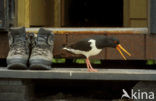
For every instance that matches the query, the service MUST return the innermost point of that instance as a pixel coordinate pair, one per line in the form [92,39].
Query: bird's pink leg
[90,66]
[94,70]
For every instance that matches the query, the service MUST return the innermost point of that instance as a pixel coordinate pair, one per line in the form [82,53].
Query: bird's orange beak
[119,48]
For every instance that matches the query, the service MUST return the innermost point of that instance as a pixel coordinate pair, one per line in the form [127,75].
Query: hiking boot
[19,49]
[41,55]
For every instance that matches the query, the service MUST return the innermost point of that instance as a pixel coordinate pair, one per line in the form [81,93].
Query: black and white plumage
[93,46]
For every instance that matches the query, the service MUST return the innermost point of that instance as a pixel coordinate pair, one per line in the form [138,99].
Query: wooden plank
[57,13]
[59,41]
[126,13]
[136,13]
[151,47]
[23,13]
[64,14]
[42,12]
[65,5]
[50,13]
[81,74]
[27,13]
[72,38]
[4,45]
[134,44]
[152,16]
[138,8]
[38,12]
[138,22]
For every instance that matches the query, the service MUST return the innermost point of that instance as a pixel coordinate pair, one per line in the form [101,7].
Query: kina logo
[138,94]
[125,94]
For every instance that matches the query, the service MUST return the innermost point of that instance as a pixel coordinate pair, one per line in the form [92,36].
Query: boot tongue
[42,37]
[19,34]
[19,37]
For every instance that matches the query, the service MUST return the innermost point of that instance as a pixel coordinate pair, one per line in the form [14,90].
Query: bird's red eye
[115,42]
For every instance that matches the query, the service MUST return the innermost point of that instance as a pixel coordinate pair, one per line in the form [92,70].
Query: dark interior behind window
[92,13]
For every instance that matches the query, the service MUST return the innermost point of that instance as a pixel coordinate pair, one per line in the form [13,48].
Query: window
[91,13]
[83,13]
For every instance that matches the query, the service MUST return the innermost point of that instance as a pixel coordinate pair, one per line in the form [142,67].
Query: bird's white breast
[94,50]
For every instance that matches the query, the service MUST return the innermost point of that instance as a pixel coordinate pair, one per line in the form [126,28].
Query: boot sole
[17,66]
[40,64]
[39,67]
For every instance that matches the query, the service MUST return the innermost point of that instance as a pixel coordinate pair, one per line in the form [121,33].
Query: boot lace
[40,46]
[41,50]
[19,46]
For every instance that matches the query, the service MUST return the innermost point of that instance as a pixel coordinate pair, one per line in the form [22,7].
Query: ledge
[93,30]
[81,74]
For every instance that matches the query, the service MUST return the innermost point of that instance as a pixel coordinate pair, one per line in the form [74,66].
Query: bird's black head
[112,42]
[115,43]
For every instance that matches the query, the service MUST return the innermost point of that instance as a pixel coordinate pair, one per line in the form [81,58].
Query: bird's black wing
[101,41]
[82,45]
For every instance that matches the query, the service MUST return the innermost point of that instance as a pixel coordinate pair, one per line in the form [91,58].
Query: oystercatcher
[93,46]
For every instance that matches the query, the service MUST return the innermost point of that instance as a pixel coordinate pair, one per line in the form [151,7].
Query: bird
[93,46]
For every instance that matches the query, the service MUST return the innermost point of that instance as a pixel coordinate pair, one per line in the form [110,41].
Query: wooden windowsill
[95,31]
